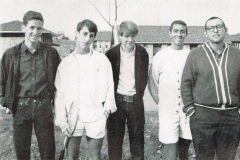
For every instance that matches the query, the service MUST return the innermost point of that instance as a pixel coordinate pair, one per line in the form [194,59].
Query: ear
[226,29]
[170,33]
[23,27]
[205,34]
[76,33]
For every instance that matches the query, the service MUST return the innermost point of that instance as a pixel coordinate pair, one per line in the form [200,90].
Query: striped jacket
[209,84]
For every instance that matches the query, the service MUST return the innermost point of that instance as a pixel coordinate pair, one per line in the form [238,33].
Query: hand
[67,132]
[8,111]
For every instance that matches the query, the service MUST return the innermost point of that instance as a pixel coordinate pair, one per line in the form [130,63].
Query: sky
[63,15]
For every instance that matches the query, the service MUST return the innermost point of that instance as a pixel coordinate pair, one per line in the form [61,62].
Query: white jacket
[90,87]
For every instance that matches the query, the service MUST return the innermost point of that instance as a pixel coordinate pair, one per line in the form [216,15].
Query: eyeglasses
[212,28]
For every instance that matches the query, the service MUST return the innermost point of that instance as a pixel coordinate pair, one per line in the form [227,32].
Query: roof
[16,27]
[104,36]
[235,37]
[160,34]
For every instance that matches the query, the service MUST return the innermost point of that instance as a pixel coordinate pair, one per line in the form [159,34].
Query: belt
[126,98]
[23,102]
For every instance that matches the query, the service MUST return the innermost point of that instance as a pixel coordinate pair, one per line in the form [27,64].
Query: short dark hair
[212,18]
[128,27]
[32,15]
[178,22]
[92,27]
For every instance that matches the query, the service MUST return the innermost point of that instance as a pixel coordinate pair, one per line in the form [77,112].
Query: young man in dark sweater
[210,91]
[130,73]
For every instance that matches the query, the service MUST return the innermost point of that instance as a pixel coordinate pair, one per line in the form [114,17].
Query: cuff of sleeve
[185,109]
[2,100]
[63,128]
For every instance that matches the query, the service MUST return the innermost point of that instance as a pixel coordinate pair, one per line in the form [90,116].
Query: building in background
[11,34]
[102,41]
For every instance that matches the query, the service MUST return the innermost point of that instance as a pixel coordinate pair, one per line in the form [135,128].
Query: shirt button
[179,104]
[179,97]
[33,79]
[32,68]
[178,80]
[178,88]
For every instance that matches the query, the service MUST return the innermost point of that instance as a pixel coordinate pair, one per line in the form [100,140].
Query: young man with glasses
[164,86]
[210,91]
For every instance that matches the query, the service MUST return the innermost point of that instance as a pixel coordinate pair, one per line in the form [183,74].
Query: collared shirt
[126,84]
[33,78]
[218,56]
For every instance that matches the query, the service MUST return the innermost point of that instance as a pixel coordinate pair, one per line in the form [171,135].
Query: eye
[183,32]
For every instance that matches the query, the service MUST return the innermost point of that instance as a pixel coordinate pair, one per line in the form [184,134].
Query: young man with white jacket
[84,80]
[164,86]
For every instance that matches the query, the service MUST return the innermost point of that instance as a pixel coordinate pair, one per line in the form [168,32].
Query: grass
[152,145]
[7,150]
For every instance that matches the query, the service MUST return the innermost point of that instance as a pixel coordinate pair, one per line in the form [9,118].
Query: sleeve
[154,80]
[144,73]
[3,77]
[60,118]
[188,82]
[110,104]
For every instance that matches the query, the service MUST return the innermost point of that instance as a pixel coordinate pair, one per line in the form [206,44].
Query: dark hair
[128,27]
[32,15]
[92,27]
[178,22]
[212,18]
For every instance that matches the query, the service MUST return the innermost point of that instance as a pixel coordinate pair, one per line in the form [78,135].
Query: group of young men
[197,93]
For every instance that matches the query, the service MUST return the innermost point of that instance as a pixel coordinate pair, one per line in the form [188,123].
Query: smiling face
[178,34]
[127,42]
[33,31]
[215,31]
[84,38]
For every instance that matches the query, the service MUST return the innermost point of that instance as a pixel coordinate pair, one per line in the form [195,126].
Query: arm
[110,104]
[3,77]
[187,84]
[154,80]
[60,118]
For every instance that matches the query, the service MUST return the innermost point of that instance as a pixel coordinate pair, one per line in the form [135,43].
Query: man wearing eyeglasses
[210,90]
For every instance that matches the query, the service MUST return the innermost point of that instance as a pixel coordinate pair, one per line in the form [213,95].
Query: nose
[87,38]
[35,31]
[130,38]
[179,33]
[215,29]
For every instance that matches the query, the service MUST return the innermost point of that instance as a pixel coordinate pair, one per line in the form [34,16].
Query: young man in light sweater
[84,80]
[211,90]
[164,86]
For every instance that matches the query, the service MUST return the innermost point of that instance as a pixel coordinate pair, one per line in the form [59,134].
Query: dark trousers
[130,113]
[40,116]
[215,131]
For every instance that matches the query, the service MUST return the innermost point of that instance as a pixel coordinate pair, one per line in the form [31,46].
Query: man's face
[85,38]
[127,42]
[178,34]
[215,31]
[33,30]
